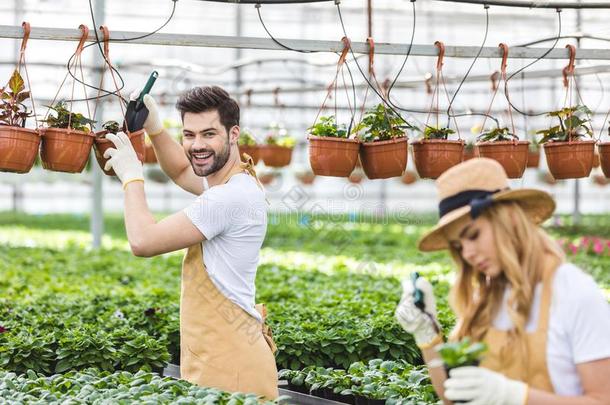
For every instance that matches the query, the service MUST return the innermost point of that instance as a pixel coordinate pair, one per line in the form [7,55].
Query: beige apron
[221,345]
[533,369]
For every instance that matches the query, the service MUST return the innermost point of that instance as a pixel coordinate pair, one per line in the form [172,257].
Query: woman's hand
[481,386]
[411,318]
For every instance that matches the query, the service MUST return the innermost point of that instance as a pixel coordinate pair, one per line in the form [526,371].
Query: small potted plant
[505,147]
[533,158]
[568,155]
[247,144]
[67,140]
[18,145]
[435,153]
[409,177]
[470,151]
[332,151]
[277,151]
[461,354]
[306,177]
[102,144]
[384,148]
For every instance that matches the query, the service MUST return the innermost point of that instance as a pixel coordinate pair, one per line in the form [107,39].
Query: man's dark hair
[209,98]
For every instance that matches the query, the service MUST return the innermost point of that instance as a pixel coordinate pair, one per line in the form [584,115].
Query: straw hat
[472,186]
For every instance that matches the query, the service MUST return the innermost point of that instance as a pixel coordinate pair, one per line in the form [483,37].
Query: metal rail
[537,4]
[216,41]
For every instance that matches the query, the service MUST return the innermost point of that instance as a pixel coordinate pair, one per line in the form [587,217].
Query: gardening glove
[412,319]
[481,386]
[153,124]
[123,160]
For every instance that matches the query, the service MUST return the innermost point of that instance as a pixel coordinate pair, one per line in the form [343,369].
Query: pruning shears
[418,300]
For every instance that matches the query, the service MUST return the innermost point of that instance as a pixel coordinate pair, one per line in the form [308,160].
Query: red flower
[3,329]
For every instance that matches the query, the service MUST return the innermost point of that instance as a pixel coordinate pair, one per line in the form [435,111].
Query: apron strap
[247,164]
[545,301]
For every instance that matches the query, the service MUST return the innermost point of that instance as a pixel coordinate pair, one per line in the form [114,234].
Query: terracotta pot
[604,157]
[470,153]
[102,144]
[384,159]
[266,178]
[275,156]
[65,150]
[533,158]
[432,157]
[149,153]
[596,160]
[253,151]
[306,178]
[409,177]
[547,178]
[18,148]
[355,178]
[600,180]
[569,160]
[511,155]
[331,156]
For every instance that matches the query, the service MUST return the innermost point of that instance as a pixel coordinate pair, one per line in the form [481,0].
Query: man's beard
[218,160]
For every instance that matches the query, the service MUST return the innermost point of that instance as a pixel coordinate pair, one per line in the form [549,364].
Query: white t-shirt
[233,219]
[579,326]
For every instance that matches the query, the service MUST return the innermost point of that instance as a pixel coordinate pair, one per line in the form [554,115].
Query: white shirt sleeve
[208,213]
[587,318]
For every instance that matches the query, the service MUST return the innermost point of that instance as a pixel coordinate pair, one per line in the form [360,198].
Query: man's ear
[234,134]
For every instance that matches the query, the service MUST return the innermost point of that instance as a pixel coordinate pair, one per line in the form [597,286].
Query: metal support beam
[537,3]
[215,41]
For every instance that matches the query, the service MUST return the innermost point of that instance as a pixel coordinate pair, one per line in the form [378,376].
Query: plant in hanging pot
[435,153]
[568,154]
[384,147]
[470,151]
[277,151]
[505,147]
[102,144]
[67,140]
[332,151]
[247,144]
[533,158]
[18,145]
[603,149]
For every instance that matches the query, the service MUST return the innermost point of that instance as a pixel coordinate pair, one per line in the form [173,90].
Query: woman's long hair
[523,250]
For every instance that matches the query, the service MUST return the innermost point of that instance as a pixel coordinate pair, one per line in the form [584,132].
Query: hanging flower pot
[67,142]
[247,144]
[331,151]
[604,157]
[306,177]
[533,158]
[434,154]
[277,151]
[505,147]
[596,160]
[266,178]
[470,151]
[102,144]
[567,156]
[600,180]
[355,178]
[18,145]
[384,148]
[409,177]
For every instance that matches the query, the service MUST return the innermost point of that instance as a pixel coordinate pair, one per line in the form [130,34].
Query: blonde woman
[546,322]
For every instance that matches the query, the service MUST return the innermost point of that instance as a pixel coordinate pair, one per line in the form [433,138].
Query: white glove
[411,318]
[481,386]
[123,160]
[153,124]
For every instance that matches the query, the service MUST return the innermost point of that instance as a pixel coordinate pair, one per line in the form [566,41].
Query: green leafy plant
[573,125]
[246,138]
[327,126]
[381,124]
[437,133]
[285,141]
[12,110]
[65,118]
[112,127]
[462,353]
[497,135]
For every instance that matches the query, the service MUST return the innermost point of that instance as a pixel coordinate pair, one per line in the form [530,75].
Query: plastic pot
[65,149]
[533,158]
[18,148]
[512,155]
[102,144]
[433,157]
[569,160]
[330,156]
[149,154]
[275,156]
[252,150]
[384,159]
[604,157]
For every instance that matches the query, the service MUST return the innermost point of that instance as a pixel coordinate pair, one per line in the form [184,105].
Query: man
[222,339]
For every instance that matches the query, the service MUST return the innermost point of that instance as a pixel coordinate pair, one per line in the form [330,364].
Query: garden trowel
[136,109]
